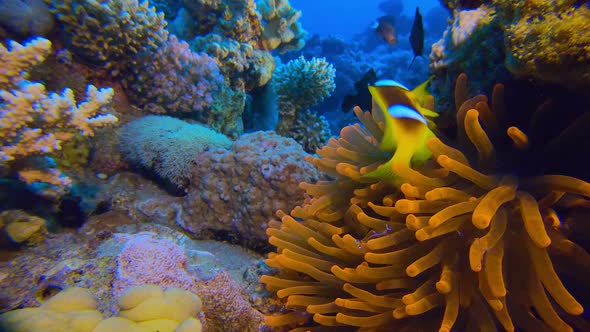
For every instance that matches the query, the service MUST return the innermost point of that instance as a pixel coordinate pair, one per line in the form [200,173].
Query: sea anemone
[462,243]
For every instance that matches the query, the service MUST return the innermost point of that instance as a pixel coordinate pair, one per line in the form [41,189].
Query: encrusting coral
[111,32]
[547,40]
[35,123]
[462,244]
[281,29]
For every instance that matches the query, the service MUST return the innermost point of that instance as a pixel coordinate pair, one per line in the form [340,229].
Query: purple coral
[175,80]
[146,260]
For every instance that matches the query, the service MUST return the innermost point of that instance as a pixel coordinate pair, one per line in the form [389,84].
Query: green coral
[168,145]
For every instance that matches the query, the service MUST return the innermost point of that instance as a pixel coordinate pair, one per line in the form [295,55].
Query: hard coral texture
[300,84]
[226,306]
[236,192]
[243,65]
[111,33]
[233,19]
[175,80]
[35,123]
[281,28]
[168,146]
[548,40]
[461,245]
[145,259]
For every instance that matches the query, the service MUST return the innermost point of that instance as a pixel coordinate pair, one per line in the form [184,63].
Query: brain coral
[462,245]
[234,193]
[111,32]
[168,145]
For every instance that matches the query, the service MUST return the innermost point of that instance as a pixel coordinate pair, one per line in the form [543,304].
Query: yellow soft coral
[144,308]
[459,245]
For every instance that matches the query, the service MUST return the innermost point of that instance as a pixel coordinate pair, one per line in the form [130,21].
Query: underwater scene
[294,165]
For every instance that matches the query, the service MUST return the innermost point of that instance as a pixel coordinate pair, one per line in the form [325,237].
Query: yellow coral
[144,308]
[33,122]
[548,39]
[458,237]
[282,29]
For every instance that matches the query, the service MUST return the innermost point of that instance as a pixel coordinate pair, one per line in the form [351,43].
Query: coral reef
[168,146]
[281,29]
[177,81]
[148,260]
[143,308]
[244,66]
[463,244]
[300,84]
[90,257]
[311,130]
[35,123]
[111,33]
[234,19]
[234,193]
[548,41]
[227,306]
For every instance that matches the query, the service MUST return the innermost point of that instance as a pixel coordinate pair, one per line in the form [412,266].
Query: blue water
[345,18]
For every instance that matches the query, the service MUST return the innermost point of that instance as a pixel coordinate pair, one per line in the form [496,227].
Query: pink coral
[147,260]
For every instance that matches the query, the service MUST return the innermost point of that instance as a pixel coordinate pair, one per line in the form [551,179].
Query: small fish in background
[417,36]
[385,27]
[362,98]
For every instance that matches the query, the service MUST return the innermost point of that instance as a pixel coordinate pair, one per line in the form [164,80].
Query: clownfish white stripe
[403,111]
[390,83]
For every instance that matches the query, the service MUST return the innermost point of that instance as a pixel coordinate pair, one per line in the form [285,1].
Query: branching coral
[459,245]
[111,32]
[35,123]
[300,84]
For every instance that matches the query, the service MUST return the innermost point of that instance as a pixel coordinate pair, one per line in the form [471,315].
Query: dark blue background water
[345,18]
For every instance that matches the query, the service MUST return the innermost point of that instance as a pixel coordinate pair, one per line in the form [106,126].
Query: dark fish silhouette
[386,29]
[362,98]
[417,36]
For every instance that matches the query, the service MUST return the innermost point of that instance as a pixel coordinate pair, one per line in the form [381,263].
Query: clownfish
[406,124]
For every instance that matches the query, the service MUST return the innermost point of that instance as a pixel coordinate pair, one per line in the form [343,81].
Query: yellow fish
[406,127]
